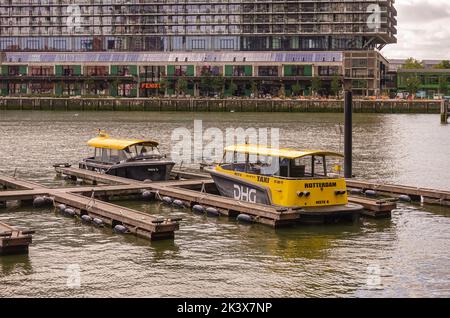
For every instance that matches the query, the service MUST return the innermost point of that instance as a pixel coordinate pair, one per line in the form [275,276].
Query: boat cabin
[112,150]
[280,162]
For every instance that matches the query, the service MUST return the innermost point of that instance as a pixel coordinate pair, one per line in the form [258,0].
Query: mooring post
[444,112]
[348,125]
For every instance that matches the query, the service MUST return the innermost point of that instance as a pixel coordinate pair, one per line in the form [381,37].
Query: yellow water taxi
[128,158]
[283,177]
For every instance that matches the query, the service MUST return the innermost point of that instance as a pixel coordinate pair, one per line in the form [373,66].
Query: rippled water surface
[220,257]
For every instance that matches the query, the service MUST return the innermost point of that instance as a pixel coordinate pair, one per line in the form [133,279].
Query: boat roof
[105,141]
[289,153]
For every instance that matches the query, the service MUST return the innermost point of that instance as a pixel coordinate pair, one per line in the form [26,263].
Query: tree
[412,85]
[89,84]
[445,64]
[217,84]
[232,88]
[205,84]
[254,88]
[336,85]
[282,91]
[316,85]
[181,86]
[296,89]
[412,63]
[442,85]
[163,84]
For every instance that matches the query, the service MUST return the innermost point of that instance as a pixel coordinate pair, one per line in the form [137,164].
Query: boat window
[116,155]
[266,165]
[320,166]
[314,166]
[301,167]
[284,167]
[105,155]
[141,151]
[334,166]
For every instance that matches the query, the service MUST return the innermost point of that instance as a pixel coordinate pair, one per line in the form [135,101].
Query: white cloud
[423,30]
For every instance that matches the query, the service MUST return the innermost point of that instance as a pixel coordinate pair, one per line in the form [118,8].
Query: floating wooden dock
[190,187]
[183,190]
[425,195]
[14,241]
[189,191]
[139,223]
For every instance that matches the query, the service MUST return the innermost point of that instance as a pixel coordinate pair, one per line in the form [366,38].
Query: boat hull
[242,190]
[238,189]
[154,171]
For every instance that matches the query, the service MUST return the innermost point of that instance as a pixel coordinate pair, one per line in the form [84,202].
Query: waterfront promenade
[217,105]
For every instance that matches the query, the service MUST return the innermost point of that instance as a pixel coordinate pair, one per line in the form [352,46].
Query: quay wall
[216,105]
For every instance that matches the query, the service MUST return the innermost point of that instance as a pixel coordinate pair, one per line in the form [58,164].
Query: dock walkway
[139,223]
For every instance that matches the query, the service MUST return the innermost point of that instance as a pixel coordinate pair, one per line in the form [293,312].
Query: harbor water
[406,256]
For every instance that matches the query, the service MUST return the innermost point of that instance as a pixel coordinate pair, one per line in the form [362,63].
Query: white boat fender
[38,202]
[167,200]
[404,198]
[212,211]
[148,195]
[370,193]
[86,218]
[121,229]
[61,207]
[244,218]
[198,208]
[69,212]
[178,203]
[98,222]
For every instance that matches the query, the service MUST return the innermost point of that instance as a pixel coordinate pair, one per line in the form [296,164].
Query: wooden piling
[14,241]
[444,112]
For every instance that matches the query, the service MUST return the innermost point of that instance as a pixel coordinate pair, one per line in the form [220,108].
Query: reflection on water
[218,256]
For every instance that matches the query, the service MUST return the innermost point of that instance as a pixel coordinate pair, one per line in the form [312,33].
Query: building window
[180,70]
[86,45]
[328,70]
[59,45]
[198,44]
[227,44]
[268,71]
[276,43]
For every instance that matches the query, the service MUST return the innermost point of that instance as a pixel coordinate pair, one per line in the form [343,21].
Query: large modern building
[135,47]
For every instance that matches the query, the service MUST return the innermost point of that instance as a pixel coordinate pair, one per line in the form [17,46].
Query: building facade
[251,31]
[431,82]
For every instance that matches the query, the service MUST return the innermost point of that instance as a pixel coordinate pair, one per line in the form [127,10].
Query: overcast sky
[423,30]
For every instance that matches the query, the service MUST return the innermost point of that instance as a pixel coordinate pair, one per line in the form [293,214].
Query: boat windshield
[312,166]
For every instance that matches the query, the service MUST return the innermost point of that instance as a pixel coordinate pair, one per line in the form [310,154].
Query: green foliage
[443,85]
[181,86]
[254,88]
[164,84]
[412,63]
[232,88]
[445,64]
[282,91]
[336,85]
[316,85]
[296,89]
[217,84]
[412,84]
